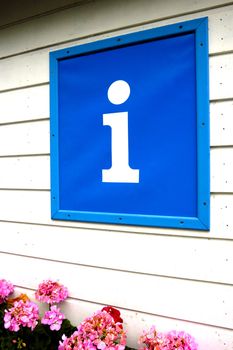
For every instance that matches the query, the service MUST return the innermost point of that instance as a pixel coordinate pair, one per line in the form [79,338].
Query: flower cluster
[53,318]
[180,341]
[51,292]
[99,331]
[152,340]
[173,340]
[6,288]
[24,314]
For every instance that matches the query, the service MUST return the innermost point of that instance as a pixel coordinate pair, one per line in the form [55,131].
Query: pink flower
[99,331]
[53,318]
[6,288]
[23,314]
[51,292]
[152,340]
[180,341]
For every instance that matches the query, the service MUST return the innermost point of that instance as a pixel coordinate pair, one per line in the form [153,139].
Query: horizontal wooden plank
[161,296]
[220,30]
[221,123]
[106,17]
[221,77]
[34,207]
[24,104]
[25,138]
[27,8]
[222,170]
[25,172]
[207,337]
[24,70]
[159,255]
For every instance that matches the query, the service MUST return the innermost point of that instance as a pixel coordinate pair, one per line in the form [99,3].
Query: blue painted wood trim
[203,133]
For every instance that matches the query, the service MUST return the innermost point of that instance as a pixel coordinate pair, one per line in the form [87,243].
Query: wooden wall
[175,279]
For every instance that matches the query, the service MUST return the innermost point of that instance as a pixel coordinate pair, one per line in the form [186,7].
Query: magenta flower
[25,314]
[53,318]
[51,292]
[6,288]
[97,332]
[180,341]
[152,340]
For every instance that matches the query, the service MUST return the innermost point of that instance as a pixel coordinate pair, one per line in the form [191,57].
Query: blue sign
[130,129]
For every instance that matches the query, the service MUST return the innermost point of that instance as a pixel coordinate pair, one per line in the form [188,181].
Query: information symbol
[120,171]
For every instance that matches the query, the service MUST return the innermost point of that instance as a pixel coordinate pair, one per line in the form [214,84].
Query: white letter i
[120,171]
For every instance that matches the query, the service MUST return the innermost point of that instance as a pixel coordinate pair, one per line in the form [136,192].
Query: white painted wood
[221,123]
[222,170]
[25,138]
[220,30]
[28,8]
[25,172]
[34,207]
[165,255]
[221,77]
[156,295]
[25,104]
[24,70]
[135,322]
[43,31]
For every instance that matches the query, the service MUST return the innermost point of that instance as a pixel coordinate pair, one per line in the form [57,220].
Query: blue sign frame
[174,187]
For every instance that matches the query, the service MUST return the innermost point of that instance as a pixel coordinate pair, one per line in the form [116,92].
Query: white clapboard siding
[34,207]
[221,77]
[24,70]
[73,23]
[222,170]
[25,172]
[169,297]
[165,255]
[24,104]
[24,138]
[221,123]
[220,30]
[207,337]
[34,172]
[27,8]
